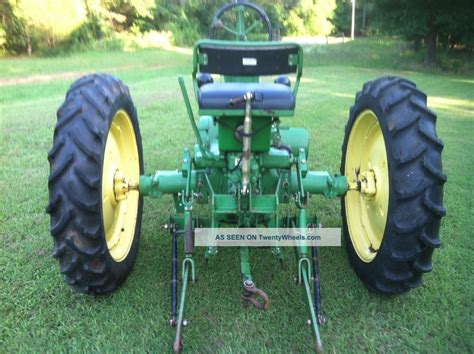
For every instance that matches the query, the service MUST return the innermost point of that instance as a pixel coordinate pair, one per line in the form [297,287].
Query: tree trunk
[448,43]
[430,51]
[364,17]
[417,44]
[29,48]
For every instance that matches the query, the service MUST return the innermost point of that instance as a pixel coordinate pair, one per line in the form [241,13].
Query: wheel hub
[122,186]
[365,184]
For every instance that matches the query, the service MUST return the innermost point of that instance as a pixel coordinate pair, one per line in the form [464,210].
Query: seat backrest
[247,61]
[247,58]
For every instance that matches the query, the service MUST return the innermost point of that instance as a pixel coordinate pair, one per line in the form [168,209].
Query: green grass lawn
[39,312]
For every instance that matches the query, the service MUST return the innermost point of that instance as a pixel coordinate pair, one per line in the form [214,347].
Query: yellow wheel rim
[120,174]
[366,202]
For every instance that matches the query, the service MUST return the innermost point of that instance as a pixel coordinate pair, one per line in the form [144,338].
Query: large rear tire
[95,161]
[392,158]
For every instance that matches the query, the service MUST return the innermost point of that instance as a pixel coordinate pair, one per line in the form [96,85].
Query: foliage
[3,36]
[76,23]
[342,17]
[310,17]
[47,22]
[92,29]
[432,23]
[123,14]
[14,29]
[435,22]
[50,26]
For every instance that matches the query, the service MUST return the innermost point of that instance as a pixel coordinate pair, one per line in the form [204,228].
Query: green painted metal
[164,182]
[304,274]
[191,116]
[315,182]
[211,174]
[263,204]
[245,263]
[241,112]
[309,301]
[295,138]
[303,225]
[188,262]
[260,141]
[228,78]
[240,24]
[276,158]
[320,182]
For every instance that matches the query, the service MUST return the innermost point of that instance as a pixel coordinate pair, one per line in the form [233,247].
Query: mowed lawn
[39,312]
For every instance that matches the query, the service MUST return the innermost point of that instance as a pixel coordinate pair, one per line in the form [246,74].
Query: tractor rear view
[246,168]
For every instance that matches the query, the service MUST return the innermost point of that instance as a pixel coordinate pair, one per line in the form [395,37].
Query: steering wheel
[239,19]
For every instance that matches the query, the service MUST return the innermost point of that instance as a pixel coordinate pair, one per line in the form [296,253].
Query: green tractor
[244,167]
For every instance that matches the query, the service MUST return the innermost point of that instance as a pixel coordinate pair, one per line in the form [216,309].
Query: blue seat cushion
[268,96]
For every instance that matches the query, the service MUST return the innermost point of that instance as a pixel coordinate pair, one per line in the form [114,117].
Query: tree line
[42,26]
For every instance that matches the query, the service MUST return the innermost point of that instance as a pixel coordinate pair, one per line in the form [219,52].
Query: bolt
[303,161]
[308,322]
[185,323]
[248,283]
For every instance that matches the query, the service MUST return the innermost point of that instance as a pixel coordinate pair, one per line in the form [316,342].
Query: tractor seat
[268,96]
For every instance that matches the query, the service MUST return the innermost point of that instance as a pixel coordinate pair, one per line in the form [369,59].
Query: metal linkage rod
[188,262]
[316,285]
[314,323]
[174,276]
[245,263]
[304,273]
[178,341]
[247,142]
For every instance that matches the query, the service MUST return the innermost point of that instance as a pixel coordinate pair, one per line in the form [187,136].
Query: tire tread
[413,149]
[74,183]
